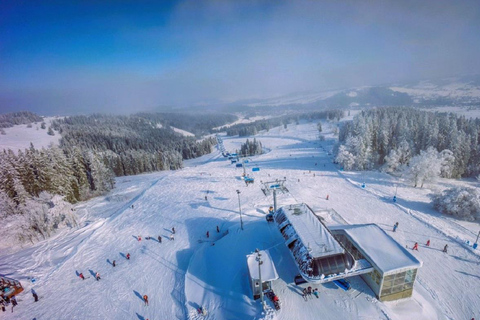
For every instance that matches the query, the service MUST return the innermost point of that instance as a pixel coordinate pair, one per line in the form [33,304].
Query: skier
[145,299]
[208,234]
[309,291]
[304,294]
[445,248]
[415,246]
[218,229]
[172,237]
[160,239]
[128,256]
[173,230]
[81,276]
[35,296]
[97,276]
[395,226]
[13,300]
[315,292]
[113,263]
[428,243]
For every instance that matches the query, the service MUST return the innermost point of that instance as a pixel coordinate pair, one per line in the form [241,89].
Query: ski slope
[191,271]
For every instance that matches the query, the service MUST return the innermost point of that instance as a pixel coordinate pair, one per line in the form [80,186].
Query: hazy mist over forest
[83,57]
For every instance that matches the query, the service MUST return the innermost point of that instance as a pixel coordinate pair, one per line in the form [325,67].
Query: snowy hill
[192,270]
[454,91]
[20,136]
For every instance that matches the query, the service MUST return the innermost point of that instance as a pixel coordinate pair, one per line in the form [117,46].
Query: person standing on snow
[309,291]
[35,296]
[173,230]
[208,234]
[415,246]
[172,237]
[14,302]
[218,229]
[113,263]
[139,238]
[160,239]
[428,243]
[445,248]
[395,226]
[304,294]
[315,292]
[128,256]
[97,276]
[81,276]
[145,299]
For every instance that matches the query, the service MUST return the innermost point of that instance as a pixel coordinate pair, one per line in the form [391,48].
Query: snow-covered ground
[242,119]
[20,136]
[191,271]
[183,132]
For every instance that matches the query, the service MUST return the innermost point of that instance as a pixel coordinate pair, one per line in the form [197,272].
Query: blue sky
[128,56]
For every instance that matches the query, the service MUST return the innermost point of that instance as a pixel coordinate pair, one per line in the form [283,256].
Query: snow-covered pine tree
[461,202]
[425,167]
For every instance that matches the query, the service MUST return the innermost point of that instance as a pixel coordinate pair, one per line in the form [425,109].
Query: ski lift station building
[268,272]
[325,254]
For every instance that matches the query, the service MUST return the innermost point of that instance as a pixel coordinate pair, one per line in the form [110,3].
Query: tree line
[252,128]
[197,123]
[36,185]
[420,143]
[251,148]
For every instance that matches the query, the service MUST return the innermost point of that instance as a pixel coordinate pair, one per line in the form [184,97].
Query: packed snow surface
[194,270]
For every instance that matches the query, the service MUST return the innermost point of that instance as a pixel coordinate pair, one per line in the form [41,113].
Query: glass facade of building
[386,287]
[398,282]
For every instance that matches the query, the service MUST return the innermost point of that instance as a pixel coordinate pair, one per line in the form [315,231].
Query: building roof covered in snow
[269,272]
[311,231]
[379,248]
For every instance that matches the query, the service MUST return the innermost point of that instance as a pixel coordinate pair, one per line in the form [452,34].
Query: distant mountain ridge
[457,91]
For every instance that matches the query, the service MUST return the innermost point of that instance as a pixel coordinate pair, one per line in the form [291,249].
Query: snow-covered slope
[191,271]
[20,136]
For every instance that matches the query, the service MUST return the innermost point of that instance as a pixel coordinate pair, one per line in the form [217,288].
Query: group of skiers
[114,263]
[5,301]
[415,246]
[159,238]
[208,232]
[307,292]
